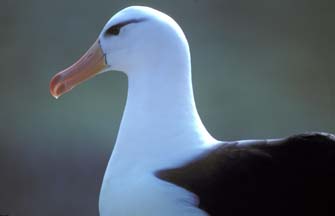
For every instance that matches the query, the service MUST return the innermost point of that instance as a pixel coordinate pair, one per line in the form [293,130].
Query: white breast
[136,194]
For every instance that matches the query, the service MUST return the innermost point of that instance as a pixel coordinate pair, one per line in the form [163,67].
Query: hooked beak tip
[57,86]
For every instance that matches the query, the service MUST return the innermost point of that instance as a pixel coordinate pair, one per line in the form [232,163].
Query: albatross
[165,163]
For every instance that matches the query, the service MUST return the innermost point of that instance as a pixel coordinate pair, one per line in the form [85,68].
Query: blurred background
[261,69]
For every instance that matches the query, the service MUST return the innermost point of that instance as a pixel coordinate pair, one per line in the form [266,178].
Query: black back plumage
[291,176]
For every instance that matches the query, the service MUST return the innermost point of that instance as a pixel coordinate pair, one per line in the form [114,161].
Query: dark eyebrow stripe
[124,23]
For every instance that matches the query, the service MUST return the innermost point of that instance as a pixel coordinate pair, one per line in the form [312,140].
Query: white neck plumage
[160,121]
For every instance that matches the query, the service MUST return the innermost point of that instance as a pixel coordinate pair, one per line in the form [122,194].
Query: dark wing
[291,176]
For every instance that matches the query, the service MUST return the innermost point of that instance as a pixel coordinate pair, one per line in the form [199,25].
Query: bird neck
[160,120]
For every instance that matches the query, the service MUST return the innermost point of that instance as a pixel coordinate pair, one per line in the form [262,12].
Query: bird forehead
[136,13]
[127,14]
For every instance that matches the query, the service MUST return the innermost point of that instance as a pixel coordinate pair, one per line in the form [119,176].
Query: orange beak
[90,64]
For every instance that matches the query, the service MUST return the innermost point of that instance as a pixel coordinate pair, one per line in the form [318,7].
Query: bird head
[131,40]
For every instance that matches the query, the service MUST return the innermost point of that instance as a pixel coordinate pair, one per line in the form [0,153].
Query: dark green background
[261,69]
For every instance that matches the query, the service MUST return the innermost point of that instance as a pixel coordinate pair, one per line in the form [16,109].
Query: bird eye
[114,30]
